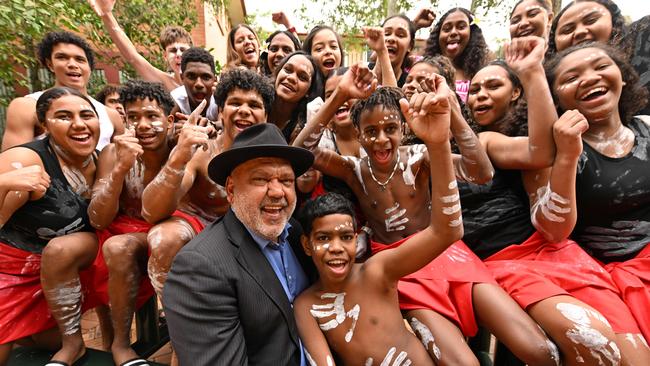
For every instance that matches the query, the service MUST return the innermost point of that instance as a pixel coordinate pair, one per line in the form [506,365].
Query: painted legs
[165,240]
[62,259]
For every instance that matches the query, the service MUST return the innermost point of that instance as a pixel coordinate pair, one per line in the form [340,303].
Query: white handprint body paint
[400,360]
[134,180]
[414,154]
[76,179]
[550,204]
[585,335]
[425,336]
[357,170]
[397,218]
[68,312]
[336,309]
[48,234]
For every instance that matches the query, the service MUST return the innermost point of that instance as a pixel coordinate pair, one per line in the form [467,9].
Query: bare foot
[69,353]
[123,354]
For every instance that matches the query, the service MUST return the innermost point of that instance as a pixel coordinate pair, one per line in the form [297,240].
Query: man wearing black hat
[229,294]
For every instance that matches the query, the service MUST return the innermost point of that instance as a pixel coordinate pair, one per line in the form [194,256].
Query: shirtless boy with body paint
[356,305]
[243,97]
[125,167]
[455,291]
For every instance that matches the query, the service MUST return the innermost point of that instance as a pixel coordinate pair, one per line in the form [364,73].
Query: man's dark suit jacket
[224,304]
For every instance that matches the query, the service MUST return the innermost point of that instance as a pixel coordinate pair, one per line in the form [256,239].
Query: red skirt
[632,278]
[444,285]
[537,269]
[124,225]
[23,308]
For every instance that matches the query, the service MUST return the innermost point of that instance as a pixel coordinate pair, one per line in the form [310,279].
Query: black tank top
[613,199]
[59,212]
[496,214]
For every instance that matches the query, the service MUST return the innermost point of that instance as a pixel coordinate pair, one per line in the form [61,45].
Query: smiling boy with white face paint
[353,307]
[125,167]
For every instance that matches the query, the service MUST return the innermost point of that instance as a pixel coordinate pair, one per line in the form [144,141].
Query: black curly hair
[140,90]
[637,29]
[327,204]
[106,91]
[633,96]
[244,79]
[618,24]
[197,54]
[543,3]
[476,51]
[45,100]
[264,56]
[51,39]
[385,97]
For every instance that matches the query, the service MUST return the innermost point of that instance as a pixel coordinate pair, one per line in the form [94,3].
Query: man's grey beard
[250,218]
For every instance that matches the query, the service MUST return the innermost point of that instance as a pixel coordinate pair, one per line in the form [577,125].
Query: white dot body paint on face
[593,55]
[490,78]
[157,126]
[425,336]
[584,334]
[17,165]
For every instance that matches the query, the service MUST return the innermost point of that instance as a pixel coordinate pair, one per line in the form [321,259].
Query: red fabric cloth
[444,285]
[194,221]
[537,269]
[23,308]
[632,278]
[123,225]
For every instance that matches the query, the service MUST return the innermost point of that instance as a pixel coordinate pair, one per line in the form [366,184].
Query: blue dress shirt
[286,267]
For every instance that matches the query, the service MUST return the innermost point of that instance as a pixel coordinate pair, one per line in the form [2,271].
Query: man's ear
[306,245]
[229,190]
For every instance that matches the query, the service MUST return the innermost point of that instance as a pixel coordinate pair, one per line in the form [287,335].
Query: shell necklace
[372,175]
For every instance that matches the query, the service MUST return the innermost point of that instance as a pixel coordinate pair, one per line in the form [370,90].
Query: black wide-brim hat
[264,140]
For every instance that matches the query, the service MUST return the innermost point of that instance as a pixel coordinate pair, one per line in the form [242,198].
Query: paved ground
[93,338]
